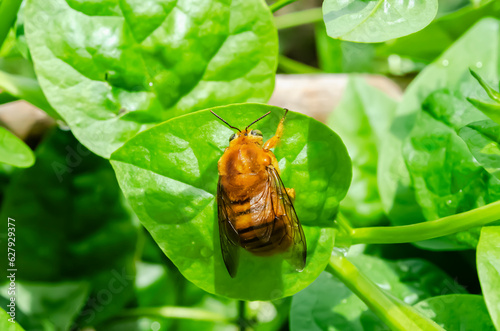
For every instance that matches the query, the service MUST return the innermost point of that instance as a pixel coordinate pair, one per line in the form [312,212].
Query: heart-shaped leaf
[169,174]
[112,68]
[376,20]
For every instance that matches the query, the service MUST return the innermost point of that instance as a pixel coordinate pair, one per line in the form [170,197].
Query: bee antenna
[232,127]
[258,119]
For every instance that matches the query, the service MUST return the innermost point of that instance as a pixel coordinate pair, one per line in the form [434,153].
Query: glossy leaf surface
[447,178]
[169,174]
[112,68]
[464,312]
[376,21]
[488,268]
[428,43]
[329,305]
[477,48]
[483,139]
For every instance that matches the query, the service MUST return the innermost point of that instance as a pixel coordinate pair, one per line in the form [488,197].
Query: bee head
[252,135]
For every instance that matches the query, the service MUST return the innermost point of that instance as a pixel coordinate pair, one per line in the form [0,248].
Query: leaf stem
[298,18]
[295,67]
[280,4]
[176,312]
[242,315]
[426,230]
[8,13]
[393,312]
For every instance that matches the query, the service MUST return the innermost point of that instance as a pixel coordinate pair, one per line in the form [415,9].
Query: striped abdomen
[259,222]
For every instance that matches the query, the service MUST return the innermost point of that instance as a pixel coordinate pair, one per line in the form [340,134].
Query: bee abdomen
[255,240]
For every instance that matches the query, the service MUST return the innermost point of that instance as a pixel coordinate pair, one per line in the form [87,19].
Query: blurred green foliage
[107,70]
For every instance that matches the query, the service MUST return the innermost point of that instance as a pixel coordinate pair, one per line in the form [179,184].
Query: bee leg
[291,193]
[271,143]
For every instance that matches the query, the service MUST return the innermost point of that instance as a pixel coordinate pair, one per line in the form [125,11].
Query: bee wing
[228,235]
[298,250]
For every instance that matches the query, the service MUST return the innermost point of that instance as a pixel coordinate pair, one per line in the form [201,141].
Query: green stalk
[422,231]
[298,18]
[295,67]
[242,322]
[393,312]
[8,14]
[176,312]
[280,4]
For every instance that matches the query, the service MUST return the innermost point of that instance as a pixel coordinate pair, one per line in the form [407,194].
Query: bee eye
[256,133]
[232,136]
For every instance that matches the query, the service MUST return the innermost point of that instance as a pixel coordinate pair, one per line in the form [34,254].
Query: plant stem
[298,18]
[280,4]
[393,312]
[295,67]
[426,230]
[241,315]
[177,312]
[8,13]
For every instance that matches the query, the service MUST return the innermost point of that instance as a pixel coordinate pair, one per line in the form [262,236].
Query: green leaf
[7,325]
[477,48]
[152,279]
[446,177]
[483,139]
[14,151]
[489,109]
[492,110]
[49,304]
[28,89]
[339,56]
[169,174]
[72,224]
[362,119]
[488,268]
[113,68]
[464,312]
[6,98]
[327,304]
[376,21]
[494,95]
[427,44]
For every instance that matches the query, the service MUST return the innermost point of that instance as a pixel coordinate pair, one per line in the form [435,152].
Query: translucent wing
[298,250]
[228,235]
